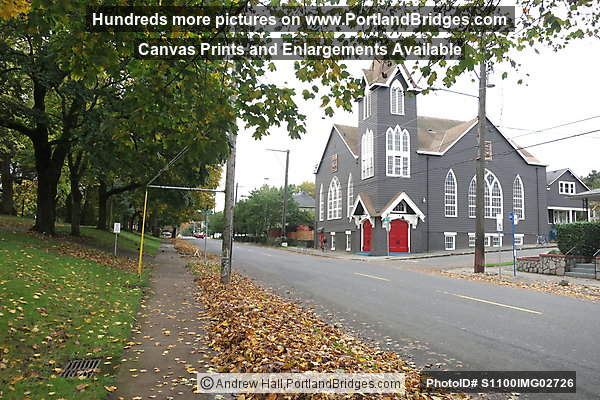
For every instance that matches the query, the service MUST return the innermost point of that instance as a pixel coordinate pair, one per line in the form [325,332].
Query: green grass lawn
[53,308]
[128,241]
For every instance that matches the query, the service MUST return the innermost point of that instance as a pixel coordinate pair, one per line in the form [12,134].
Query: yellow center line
[492,302]
[371,276]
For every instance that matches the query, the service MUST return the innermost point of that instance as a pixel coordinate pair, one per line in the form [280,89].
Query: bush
[584,236]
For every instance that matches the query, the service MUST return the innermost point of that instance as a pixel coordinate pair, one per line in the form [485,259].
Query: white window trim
[334,199]
[394,89]
[350,194]
[332,241]
[367,103]
[348,241]
[321,204]
[450,235]
[455,214]
[487,241]
[522,208]
[565,185]
[402,153]
[489,190]
[367,156]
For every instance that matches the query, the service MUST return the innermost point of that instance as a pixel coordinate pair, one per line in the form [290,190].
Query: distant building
[561,208]
[305,201]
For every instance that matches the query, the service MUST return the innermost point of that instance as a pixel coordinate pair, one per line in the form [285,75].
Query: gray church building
[403,183]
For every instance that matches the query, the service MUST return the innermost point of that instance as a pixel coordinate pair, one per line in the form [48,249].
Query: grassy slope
[54,308]
[128,241]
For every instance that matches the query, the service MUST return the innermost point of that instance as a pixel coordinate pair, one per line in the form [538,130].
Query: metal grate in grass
[81,368]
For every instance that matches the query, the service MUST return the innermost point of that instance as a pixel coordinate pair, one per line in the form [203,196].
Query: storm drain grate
[80,368]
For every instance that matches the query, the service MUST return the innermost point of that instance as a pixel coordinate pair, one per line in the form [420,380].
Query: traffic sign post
[116,230]
[514,221]
[499,230]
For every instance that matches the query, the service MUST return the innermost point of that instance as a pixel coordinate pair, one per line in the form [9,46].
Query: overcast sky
[562,87]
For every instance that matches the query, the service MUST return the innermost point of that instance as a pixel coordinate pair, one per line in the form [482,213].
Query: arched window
[350,194]
[397,98]
[321,204]
[493,203]
[334,199]
[473,198]
[367,103]
[367,163]
[450,208]
[518,201]
[397,152]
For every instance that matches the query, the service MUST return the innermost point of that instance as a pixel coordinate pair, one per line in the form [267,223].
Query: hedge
[584,236]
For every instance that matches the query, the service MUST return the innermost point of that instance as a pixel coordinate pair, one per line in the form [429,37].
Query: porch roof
[593,195]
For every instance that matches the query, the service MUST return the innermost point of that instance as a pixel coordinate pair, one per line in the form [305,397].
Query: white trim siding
[493,196]
[367,103]
[334,199]
[350,195]
[450,240]
[367,158]
[397,98]
[397,152]
[566,187]
[519,198]
[321,204]
[450,195]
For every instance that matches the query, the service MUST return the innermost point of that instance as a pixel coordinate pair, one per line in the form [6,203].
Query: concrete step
[582,270]
[581,275]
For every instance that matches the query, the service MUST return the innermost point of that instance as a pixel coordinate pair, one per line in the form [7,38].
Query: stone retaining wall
[548,264]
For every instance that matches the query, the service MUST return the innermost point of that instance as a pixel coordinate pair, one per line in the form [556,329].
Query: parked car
[167,234]
[199,235]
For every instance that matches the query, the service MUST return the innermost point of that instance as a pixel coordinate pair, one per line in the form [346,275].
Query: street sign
[499,227]
[116,231]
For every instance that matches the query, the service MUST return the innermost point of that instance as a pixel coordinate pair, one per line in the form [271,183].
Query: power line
[501,154]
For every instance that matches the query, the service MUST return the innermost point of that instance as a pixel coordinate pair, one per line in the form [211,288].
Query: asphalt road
[454,323]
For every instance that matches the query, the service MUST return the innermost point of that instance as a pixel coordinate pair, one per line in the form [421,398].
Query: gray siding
[346,164]
[506,164]
[560,200]
[425,186]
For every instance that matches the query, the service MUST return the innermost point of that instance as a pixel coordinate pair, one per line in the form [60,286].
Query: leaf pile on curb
[252,330]
[185,248]
[573,289]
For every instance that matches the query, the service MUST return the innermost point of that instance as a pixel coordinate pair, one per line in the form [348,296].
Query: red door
[399,236]
[367,228]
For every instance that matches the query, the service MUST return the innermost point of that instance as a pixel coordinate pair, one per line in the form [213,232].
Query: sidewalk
[408,256]
[168,345]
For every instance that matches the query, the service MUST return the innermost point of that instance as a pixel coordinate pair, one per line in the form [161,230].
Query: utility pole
[479,261]
[285,192]
[227,244]
[285,197]
[228,213]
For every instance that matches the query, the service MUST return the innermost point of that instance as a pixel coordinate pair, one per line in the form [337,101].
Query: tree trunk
[76,168]
[48,172]
[7,206]
[102,203]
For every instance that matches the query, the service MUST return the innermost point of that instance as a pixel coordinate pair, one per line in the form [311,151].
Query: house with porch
[399,182]
[563,206]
